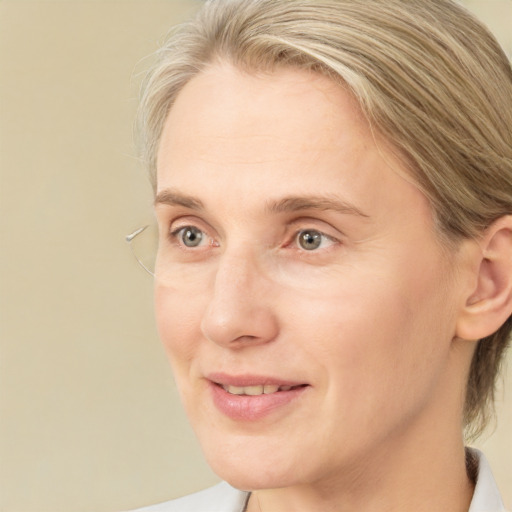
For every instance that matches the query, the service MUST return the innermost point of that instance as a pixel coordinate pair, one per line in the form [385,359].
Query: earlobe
[489,303]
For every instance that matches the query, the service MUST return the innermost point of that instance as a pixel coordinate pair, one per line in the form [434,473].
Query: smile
[252,398]
[266,389]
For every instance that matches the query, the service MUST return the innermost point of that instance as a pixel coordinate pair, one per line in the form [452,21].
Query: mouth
[251,398]
[256,390]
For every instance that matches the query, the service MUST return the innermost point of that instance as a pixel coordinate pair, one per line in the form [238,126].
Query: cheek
[178,323]
[377,335]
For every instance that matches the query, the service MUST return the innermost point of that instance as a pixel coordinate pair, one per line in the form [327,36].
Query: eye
[311,239]
[189,236]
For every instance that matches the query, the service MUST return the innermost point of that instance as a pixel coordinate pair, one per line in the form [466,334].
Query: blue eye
[189,236]
[309,239]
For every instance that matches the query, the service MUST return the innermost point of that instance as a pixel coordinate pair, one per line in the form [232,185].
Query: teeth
[255,390]
[234,390]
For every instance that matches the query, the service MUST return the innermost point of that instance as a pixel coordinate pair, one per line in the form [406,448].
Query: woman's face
[295,252]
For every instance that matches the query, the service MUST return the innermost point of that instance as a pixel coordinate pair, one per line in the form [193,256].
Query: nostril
[246,338]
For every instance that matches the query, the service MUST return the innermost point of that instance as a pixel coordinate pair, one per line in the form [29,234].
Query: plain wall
[89,416]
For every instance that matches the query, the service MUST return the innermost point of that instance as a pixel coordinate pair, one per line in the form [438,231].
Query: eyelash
[176,239]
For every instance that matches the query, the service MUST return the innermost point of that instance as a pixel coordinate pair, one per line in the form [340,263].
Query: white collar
[486,497]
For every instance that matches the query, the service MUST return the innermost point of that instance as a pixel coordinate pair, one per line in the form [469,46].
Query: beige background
[89,417]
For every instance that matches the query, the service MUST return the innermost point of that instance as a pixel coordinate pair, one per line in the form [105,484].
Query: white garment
[220,498]
[224,498]
[486,497]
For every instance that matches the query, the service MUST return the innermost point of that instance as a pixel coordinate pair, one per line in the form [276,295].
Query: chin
[251,469]
[252,478]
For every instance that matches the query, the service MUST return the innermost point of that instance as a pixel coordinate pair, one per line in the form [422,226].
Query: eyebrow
[290,204]
[170,197]
[322,203]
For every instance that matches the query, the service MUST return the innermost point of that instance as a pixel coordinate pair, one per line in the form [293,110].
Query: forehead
[288,110]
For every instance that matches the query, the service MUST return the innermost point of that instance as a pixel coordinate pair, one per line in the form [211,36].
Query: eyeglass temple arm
[129,239]
[131,236]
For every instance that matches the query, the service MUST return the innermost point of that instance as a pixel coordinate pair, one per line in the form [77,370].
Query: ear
[489,302]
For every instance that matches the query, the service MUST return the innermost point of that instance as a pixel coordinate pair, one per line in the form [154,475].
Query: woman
[333,190]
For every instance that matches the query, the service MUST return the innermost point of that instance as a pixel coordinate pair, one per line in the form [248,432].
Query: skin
[369,319]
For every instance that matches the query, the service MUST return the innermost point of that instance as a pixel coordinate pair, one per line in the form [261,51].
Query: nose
[239,311]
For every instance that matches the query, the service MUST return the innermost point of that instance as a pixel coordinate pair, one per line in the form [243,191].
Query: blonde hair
[427,75]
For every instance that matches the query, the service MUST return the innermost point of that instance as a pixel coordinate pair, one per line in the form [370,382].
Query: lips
[251,397]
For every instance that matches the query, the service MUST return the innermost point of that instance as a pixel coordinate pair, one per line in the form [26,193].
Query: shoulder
[220,498]
[486,497]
